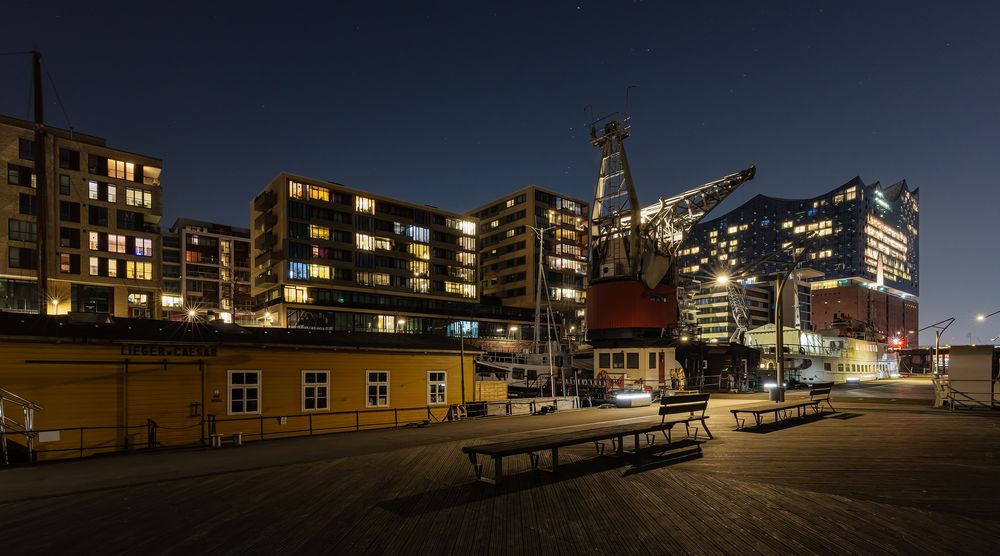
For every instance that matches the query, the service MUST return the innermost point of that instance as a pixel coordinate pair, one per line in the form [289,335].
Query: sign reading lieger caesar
[169,350]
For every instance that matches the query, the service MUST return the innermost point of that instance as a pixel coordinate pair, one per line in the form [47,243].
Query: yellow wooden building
[127,383]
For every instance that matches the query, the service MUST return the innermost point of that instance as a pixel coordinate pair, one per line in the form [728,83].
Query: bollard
[215,440]
[237,439]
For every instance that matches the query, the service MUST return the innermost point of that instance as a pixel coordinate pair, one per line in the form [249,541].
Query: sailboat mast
[41,196]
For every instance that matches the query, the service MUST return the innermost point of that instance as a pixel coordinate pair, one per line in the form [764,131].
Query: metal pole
[461,363]
[778,394]
[538,288]
[41,195]
[937,351]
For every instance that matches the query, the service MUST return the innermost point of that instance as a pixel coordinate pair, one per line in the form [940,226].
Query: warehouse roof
[104,329]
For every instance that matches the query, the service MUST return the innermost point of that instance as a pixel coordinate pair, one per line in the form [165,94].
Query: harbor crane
[633,289]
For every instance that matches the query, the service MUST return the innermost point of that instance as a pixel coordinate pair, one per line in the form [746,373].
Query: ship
[838,355]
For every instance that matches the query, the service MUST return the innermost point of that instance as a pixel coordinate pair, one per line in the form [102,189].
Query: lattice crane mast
[633,282]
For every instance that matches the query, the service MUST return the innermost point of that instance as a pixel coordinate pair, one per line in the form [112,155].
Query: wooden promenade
[874,479]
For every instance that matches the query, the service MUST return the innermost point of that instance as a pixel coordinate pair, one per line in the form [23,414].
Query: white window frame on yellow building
[377,383]
[316,385]
[437,388]
[230,387]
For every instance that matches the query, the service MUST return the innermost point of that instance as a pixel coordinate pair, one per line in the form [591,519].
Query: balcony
[267,258]
[268,277]
[265,201]
[265,221]
[265,242]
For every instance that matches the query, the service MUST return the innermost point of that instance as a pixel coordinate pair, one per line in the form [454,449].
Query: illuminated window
[92,189]
[467,259]
[319,232]
[138,271]
[121,170]
[317,193]
[465,290]
[171,301]
[296,294]
[364,242]
[422,251]
[467,243]
[116,243]
[418,234]
[94,241]
[94,266]
[364,204]
[138,198]
[510,203]
[421,285]
[786,224]
[112,268]
[296,190]
[298,271]
[420,268]
[319,271]
[732,229]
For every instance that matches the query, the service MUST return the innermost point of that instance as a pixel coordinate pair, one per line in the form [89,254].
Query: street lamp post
[939,328]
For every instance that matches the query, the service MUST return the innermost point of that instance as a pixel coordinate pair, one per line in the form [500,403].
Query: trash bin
[237,439]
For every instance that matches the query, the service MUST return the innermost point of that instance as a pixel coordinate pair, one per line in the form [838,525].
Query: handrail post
[357,420]
[310,424]
[262,427]
[395,417]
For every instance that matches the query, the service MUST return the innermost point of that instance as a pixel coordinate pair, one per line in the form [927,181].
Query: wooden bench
[615,434]
[818,393]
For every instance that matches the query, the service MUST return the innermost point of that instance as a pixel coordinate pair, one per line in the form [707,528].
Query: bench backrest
[820,389]
[689,403]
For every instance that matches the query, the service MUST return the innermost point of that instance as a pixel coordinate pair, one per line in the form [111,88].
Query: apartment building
[102,237]
[206,272]
[509,251]
[329,257]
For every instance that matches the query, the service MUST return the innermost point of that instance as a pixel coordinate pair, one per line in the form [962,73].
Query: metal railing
[10,426]
[309,424]
[969,395]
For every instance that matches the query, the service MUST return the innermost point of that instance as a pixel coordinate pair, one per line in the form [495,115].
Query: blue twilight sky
[453,104]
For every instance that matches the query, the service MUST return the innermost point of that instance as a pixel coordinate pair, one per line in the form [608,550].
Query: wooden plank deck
[887,479]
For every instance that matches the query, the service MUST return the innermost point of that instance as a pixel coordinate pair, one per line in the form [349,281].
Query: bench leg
[477,468]
[534,459]
[599,446]
[666,434]
[621,446]
[497,470]
[638,450]
[650,439]
[708,432]
[831,405]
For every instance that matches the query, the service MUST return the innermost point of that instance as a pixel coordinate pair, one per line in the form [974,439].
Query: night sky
[453,105]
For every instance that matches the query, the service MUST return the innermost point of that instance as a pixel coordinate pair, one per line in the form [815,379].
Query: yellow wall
[88,386]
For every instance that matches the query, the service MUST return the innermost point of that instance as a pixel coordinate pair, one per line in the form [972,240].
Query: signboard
[153,350]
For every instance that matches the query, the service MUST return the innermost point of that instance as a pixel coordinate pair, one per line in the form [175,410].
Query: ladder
[13,408]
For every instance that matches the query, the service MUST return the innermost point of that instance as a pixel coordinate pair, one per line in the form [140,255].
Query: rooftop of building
[104,329]
[365,193]
[892,193]
[72,135]
[210,227]
[525,189]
